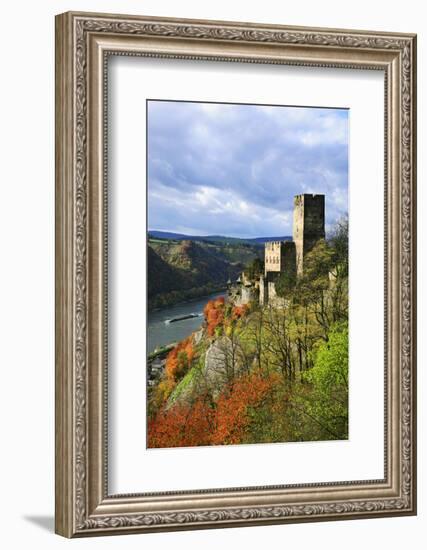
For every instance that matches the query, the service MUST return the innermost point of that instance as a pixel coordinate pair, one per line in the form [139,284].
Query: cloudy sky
[226,169]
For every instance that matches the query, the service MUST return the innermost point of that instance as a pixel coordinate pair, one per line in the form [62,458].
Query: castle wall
[263,291]
[247,295]
[271,291]
[273,298]
[279,256]
[272,257]
[241,295]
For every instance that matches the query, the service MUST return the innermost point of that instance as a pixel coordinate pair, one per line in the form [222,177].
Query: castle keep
[309,225]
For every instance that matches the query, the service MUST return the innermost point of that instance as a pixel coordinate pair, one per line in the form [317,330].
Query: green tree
[339,242]
[311,291]
[255,269]
[317,265]
[285,283]
[327,403]
[182,364]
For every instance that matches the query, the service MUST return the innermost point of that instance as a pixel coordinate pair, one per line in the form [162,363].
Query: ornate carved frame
[83,42]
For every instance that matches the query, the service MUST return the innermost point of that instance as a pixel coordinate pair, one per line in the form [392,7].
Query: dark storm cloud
[234,169]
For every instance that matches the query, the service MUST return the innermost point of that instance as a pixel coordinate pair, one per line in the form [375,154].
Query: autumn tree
[182,425]
[214,316]
[179,359]
[232,418]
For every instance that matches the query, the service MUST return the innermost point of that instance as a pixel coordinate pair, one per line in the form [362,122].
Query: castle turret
[309,225]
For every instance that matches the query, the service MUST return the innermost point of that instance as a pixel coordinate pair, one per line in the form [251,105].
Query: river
[161,333]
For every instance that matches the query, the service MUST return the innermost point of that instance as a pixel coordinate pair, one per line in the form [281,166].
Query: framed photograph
[235,274]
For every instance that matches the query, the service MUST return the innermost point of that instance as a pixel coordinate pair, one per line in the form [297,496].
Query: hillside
[180,270]
[174,251]
[162,277]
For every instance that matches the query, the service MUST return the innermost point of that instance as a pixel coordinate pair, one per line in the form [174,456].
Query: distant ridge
[269,239]
[256,241]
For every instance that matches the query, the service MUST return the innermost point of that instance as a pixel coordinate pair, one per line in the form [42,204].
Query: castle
[286,256]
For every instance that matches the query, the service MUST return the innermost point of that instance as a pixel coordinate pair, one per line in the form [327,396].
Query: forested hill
[181,270]
[217,239]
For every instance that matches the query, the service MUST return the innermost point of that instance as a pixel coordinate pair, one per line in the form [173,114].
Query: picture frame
[84,42]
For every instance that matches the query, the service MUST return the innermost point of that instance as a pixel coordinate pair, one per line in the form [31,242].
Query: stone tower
[279,256]
[309,225]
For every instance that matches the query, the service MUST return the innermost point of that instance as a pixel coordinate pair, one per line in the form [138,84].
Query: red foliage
[214,314]
[181,426]
[179,359]
[186,425]
[239,311]
[232,419]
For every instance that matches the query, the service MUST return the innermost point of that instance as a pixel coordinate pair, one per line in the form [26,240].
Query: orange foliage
[179,359]
[181,426]
[248,391]
[214,314]
[203,424]
[239,311]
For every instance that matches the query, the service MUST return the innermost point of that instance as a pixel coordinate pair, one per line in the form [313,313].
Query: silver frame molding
[83,43]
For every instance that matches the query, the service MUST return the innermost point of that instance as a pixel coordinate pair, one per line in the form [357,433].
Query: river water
[161,333]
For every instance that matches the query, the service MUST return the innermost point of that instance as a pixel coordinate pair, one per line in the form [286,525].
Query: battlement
[309,195]
[272,245]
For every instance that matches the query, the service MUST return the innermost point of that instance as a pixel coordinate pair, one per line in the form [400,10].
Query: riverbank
[160,352]
[156,362]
